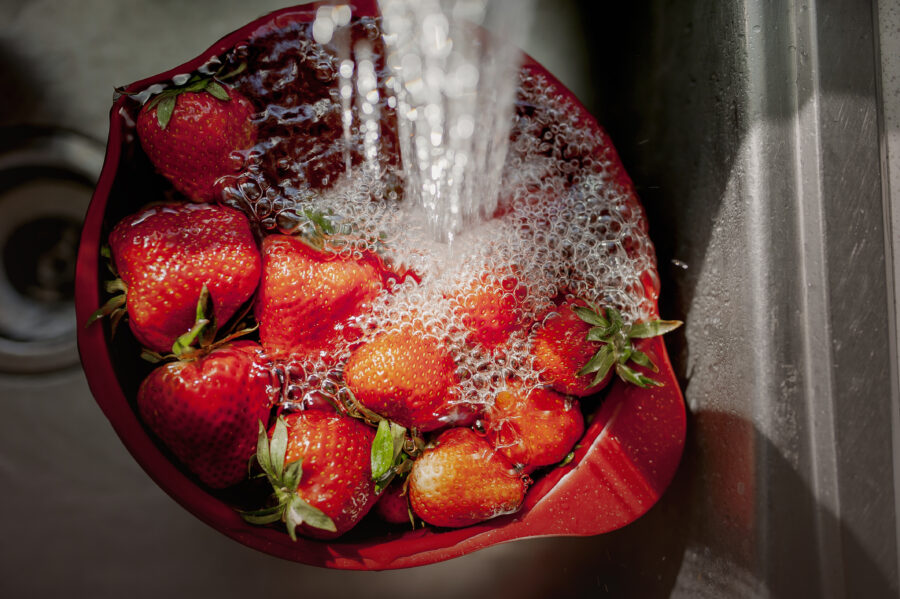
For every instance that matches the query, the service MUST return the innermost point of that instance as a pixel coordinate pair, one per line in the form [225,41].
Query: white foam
[568,228]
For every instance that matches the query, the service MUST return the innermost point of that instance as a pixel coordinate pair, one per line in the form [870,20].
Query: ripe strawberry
[191,132]
[533,430]
[392,507]
[318,463]
[166,254]
[307,298]
[206,410]
[490,308]
[407,377]
[561,349]
[462,480]
[579,348]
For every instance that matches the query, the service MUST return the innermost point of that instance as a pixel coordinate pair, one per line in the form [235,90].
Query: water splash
[454,89]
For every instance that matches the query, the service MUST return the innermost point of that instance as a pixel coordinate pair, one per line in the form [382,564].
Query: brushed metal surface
[753,131]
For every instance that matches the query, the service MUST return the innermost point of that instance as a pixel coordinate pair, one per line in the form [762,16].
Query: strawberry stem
[232,73]
[355,409]
[204,328]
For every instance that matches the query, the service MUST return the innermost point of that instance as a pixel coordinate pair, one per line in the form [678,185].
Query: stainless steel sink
[759,142]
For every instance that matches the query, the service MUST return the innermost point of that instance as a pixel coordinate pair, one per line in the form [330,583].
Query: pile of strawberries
[226,308]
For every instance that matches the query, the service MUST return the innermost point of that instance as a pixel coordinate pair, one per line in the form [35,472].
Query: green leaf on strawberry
[609,329]
[289,507]
[165,101]
[387,453]
[164,110]
[639,357]
[277,449]
[262,450]
[643,330]
[114,306]
[313,227]
[382,450]
[630,376]
[111,307]
[600,363]
[591,316]
[566,460]
[217,91]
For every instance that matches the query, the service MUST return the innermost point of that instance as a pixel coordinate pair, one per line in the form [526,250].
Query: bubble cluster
[567,223]
[308,137]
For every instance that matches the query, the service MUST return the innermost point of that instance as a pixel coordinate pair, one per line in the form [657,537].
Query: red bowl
[625,461]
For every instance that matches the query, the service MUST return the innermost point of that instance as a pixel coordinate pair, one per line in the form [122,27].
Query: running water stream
[453,90]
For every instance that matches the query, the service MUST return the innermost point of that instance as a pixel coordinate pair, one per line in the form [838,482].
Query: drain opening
[39,258]
[43,198]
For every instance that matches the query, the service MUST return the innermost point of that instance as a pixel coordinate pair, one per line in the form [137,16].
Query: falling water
[452,88]
[455,90]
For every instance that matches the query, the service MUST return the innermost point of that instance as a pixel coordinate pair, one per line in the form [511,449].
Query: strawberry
[206,409]
[462,480]
[392,507]
[308,298]
[318,463]
[191,132]
[405,376]
[580,346]
[166,254]
[535,429]
[490,308]
[561,348]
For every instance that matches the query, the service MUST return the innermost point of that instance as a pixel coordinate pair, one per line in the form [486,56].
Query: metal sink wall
[752,130]
[756,134]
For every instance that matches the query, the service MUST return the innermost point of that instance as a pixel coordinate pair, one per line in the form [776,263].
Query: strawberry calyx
[394,448]
[164,101]
[327,232]
[202,333]
[115,306]
[615,335]
[289,508]
[313,228]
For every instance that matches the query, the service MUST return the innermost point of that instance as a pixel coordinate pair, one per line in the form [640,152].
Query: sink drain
[46,182]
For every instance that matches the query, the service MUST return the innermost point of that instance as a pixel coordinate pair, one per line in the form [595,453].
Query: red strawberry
[307,297]
[392,507]
[190,134]
[319,465]
[462,480]
[533,430]
[561,349]
[166,254]
[490,308]
[580,347]
[406,376]
[206,410]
